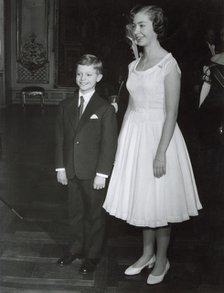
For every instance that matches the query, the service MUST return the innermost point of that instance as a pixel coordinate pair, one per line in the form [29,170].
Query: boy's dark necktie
[81,106]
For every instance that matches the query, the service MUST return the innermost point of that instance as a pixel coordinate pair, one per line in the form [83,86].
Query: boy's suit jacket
[87,146]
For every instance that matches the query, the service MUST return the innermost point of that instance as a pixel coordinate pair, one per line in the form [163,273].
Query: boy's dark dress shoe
[68,259]
[88,266]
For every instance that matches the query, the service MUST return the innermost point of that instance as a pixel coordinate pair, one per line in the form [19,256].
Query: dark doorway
[94,27]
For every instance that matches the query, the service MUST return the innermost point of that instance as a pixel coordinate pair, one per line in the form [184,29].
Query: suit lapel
[90,109]
[73,111]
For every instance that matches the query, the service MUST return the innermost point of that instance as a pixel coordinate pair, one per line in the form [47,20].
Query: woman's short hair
[156,15]
[89,59]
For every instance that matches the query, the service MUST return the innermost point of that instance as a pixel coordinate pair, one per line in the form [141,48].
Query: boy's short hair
[89,59]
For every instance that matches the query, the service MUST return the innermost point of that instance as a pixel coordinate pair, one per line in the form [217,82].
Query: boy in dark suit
[86,141]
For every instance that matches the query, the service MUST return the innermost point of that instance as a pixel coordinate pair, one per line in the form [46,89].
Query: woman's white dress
[135,194]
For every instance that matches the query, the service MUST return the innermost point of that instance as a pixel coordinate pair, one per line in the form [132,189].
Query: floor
[32,240]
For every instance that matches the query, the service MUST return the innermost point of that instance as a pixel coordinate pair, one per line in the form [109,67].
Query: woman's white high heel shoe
[152,280]
[131,271]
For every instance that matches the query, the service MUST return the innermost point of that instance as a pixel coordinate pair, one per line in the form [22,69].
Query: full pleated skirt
[135,194]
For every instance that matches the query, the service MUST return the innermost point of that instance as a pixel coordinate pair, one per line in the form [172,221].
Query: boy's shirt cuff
[60,169]
[102,175]
[98,174]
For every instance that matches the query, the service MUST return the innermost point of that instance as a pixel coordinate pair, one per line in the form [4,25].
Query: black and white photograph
[111,146]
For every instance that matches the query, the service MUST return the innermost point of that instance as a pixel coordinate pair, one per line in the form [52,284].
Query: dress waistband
[144,110]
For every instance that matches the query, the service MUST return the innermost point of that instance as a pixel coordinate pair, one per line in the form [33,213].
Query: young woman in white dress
[152,183]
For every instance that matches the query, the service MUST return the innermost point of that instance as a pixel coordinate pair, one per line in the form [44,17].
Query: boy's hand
[99,182]
[61,177]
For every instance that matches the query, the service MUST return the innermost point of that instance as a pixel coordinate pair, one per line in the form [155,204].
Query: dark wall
[98,27]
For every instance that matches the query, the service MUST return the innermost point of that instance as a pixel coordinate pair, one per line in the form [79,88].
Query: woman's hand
[206,74]
[115,105]
[206,70]
[159,166]
[113,102]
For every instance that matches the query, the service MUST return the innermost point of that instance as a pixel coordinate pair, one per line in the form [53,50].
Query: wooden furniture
[33,91]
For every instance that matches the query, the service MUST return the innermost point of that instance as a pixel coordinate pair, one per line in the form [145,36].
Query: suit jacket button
[77,142]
